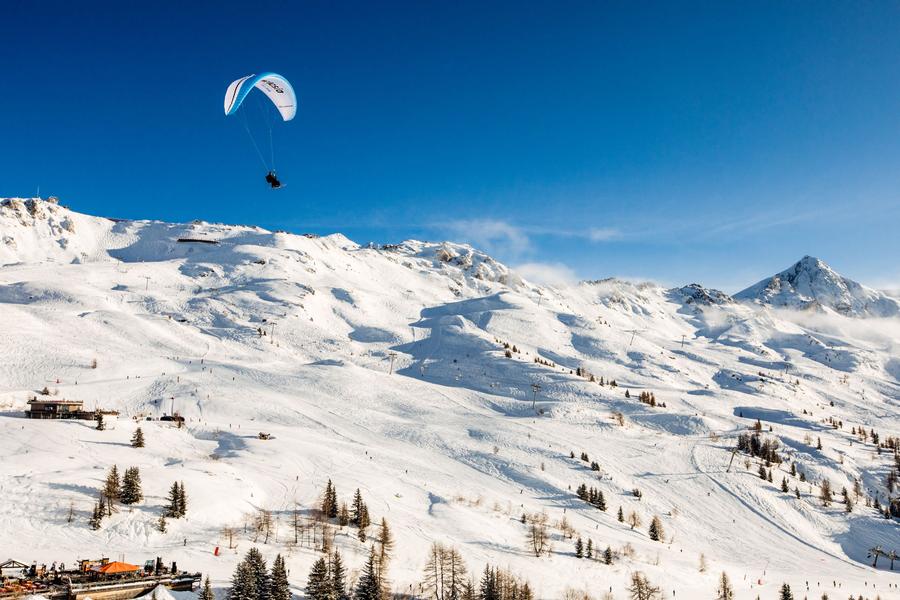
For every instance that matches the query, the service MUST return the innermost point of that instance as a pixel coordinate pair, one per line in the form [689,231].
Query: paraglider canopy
[274,86]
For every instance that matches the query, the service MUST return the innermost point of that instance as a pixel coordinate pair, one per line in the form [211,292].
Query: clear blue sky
[678,141]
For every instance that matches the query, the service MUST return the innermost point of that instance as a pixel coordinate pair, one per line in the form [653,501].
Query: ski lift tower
[535,388]
[633,332]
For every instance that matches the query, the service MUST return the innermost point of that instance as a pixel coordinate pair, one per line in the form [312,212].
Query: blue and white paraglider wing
[277,88]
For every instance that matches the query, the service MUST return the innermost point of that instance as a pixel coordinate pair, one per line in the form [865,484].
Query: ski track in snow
[447,447]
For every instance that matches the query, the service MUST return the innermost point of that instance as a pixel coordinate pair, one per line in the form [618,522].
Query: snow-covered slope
[407,371]
[810,283]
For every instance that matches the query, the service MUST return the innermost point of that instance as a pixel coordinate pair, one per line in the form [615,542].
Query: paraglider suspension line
[262,159]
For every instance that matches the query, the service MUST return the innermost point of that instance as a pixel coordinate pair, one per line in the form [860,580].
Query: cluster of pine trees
[755,445]
[177,506]
[253,581]
[592,496]
[595,466]
[356,515]
[648,398]
[328,579]
[126,490]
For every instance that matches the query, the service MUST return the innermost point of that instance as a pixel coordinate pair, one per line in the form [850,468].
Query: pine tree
[608,556]
[131,492]
[724,591]
[579,548]
[338,578]
[96,518]
[385,547]
[100,424]
[784,485]
[357,509]
[620,515]
[111,489]
[656,529]
[207,592]
[243,583]
[137,439]
[101,506]
[318,585]
[785,593]
[344,515]
[256,564]
[161,524]
[489,585]
[589,549]
[281,589]
[762,472]
[825,492]
[172,510]
[328,506]
[369,586]
[182,500]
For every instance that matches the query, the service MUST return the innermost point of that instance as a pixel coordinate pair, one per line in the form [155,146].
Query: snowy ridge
[387,369]
[811,284]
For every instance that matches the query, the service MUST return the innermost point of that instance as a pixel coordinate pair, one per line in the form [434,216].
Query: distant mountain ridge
[810,284]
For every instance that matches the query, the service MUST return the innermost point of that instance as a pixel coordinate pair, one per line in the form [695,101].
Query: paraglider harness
[272,180]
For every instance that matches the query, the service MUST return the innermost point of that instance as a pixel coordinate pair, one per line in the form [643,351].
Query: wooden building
[45,408]
[12,568]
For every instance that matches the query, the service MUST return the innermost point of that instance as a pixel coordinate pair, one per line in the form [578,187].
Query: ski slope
[384,369]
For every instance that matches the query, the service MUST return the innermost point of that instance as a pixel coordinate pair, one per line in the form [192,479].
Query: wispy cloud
[603,234]
[492,235]
[547,273]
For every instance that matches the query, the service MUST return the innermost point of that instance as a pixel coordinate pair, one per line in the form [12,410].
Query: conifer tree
[172,507]
[243,583]
[385,547]
[281,589]
[724,591]
[182,500]
[262,584]
[338,578]
[111,489]
[207,592]
[489,585]
[369,586]
[318,584]
[785,593]
[608,556]
[137,439]
[784,485]
[620,515]
[344,515]
[96,517]
[329,501]
[825,492]
[589,549]
[131,492]
[656,529]
[641,588]
[357,508]
[161,524]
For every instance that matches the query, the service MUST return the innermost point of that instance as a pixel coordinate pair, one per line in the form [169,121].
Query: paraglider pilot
[272,180]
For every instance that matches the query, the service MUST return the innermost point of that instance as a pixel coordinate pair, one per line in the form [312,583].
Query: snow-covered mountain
[811,284]
[450,391]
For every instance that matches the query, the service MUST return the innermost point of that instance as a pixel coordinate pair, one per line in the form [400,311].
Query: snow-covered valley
[453,394]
